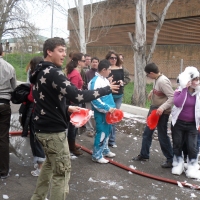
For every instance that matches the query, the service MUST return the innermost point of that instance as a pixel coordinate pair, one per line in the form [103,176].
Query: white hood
[189,73]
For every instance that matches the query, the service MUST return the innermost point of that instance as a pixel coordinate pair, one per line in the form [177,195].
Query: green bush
[19,62]
[128,92]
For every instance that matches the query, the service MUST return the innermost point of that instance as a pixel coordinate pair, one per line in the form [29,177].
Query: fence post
[181,65]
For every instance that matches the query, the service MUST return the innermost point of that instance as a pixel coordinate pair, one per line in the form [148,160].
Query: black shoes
[4,176]
[167,164]
[140,158]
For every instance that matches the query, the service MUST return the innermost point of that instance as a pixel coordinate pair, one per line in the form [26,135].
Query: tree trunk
[139,46]
[81,26]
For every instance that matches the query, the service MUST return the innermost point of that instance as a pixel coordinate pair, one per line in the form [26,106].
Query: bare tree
[14,18]
[138,41]
[88,23]
[92,22]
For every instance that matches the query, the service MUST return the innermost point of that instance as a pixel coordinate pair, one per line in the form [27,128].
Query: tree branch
[157,30]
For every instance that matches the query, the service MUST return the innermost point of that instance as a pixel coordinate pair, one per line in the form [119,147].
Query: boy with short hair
[101,106]
[52,90]
[161,98]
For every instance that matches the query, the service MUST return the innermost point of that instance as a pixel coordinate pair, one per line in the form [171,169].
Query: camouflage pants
[55,172]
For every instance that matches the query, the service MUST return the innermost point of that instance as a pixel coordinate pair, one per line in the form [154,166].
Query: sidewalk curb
[134,110]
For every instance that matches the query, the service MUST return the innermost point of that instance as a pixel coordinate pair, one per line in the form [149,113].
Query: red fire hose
[196,187]
[15,133]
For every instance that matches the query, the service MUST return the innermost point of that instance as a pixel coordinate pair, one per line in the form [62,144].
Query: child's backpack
[20,93]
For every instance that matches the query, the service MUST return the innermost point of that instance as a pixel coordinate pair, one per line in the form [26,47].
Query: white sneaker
[110,154]
[35,172]
[112,145]
[101,160]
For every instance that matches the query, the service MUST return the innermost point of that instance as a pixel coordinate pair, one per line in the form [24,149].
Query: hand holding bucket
[80,117]
[114,117]
[152,119]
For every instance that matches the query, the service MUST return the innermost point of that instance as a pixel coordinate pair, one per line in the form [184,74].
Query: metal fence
[172,68]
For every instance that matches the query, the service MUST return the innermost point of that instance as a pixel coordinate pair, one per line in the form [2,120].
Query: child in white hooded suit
[186,122]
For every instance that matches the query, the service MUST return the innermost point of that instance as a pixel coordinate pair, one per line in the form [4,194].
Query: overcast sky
[42,17]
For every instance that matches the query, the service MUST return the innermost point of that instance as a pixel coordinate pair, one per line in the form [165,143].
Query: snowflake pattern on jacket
[51,91]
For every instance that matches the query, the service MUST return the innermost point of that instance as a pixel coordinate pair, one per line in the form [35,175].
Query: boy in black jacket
[51,91]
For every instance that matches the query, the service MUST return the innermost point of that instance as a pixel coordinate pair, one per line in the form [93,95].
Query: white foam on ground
[5,196]
[193,169]
[193,195]
[178,165]
[179,184]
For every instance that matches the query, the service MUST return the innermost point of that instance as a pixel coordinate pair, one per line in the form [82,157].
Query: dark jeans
[185,132]
[36,146]
[198,142]
[163,138]
[72,132]
[5,113]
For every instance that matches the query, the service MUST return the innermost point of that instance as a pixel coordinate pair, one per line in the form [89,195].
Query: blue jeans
[89,126]
[118,102]
[185,132]
[163,138]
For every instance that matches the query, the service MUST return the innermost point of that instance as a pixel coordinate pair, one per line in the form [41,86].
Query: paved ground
[95,181]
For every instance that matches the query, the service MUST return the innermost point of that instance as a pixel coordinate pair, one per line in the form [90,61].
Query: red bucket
[114,117]
[80,117]
[152,120]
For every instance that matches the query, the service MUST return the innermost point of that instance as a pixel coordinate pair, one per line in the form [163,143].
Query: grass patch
[128,92]
[20,61]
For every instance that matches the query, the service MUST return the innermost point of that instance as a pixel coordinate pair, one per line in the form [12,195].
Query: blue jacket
[104,103]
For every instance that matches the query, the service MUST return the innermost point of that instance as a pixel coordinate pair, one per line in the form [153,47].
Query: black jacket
[51,91]
[25,111]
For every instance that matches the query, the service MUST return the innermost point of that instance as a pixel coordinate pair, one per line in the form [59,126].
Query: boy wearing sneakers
[101,106]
